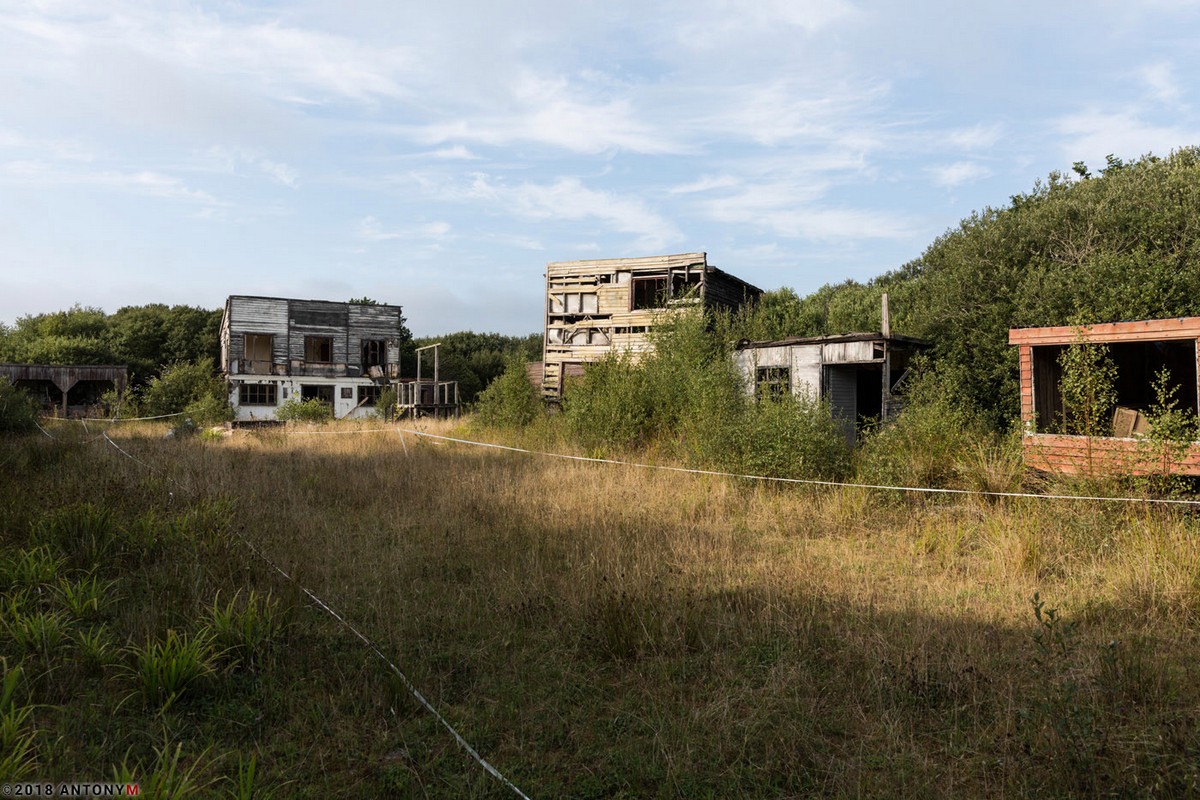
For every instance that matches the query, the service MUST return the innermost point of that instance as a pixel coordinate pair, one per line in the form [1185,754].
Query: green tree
[181,385]
[510,400]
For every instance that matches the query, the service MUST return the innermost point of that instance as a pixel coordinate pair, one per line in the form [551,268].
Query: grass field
[593,630]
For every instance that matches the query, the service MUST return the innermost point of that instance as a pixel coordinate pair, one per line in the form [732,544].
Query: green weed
[167,780]
[37,632]
[86,533]
[245,627]
[17,735]
[35,566]
[96,648]
[164,670]
[85,597]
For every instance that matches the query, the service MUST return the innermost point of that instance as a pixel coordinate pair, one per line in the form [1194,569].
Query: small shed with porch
[858,374]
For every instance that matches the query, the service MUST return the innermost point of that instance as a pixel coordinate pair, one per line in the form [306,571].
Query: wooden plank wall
[1074,455]
[1101,455]
[589,306]
[289,321]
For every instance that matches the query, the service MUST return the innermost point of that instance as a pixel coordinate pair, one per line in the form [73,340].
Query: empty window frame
[374,353]
[648,292]
[256,394]
[347,392]
[685,284]
[318,349]
[1137,366]
[574,303]
[772,383]
[256,352]
[369,395]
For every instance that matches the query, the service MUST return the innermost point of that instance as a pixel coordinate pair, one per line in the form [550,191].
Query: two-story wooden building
[599,306]
[274,349]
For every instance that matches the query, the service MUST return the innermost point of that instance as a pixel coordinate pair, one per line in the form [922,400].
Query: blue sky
[437,155]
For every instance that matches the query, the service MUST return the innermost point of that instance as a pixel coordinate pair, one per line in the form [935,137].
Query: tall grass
[600,631]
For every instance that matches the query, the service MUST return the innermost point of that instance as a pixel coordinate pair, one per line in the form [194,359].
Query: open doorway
[855,395]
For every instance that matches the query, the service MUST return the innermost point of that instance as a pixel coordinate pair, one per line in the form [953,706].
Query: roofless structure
[600,306]
[1140,351]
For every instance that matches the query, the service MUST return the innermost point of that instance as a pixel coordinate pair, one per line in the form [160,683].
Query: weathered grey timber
[599,306]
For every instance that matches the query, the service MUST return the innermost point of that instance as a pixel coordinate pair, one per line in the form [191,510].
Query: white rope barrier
[807,481]
[408,684]
[86,420]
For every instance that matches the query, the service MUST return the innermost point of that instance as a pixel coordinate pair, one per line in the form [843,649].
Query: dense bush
[17,412]
[930,439]
[181,385]
[790,438]
[310,410]
[686,398]
[510,400]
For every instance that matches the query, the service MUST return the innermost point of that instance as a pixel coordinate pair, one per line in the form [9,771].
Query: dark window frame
[772,383]
[317,346]
[258,394]
[373,353]
[649,292]
[369,395]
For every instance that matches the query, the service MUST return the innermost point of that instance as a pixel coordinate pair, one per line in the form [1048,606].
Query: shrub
[179,386]
[310,410]
[611,404]
[791,438]
[17,411]
[927,442]
[385,406]
[209,410]
[510,401]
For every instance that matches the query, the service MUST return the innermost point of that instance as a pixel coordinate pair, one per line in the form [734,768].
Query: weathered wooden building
[1139,351]
[274,349]
[66,386]
[858,374]
[600,306]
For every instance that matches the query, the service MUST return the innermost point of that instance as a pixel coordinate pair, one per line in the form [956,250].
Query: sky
[438,155]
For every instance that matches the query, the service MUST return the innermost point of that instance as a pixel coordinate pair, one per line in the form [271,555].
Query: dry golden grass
[605,631]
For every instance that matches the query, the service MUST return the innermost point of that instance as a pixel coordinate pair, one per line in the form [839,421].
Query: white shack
[857,374]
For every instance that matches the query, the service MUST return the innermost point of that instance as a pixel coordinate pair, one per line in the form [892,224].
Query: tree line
[1080,247]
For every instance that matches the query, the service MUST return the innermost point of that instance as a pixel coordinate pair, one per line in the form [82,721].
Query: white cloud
[143,182]
[791,211]
[976,137]
[1161,83]
[706,184]
[958,173]
[567,199]
[456,152]
[371,229]
[282,173]
[1091,135]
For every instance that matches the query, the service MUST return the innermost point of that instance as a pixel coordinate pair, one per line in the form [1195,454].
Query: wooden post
[885,317]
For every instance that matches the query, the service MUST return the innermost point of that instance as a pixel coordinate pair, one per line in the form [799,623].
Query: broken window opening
[772,383]
[369,395]
[316,392]
[347,392]
[685,284]
[374,353]
[1137,365]
[256,394]
[318,349]
[257,352]
[648,293]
